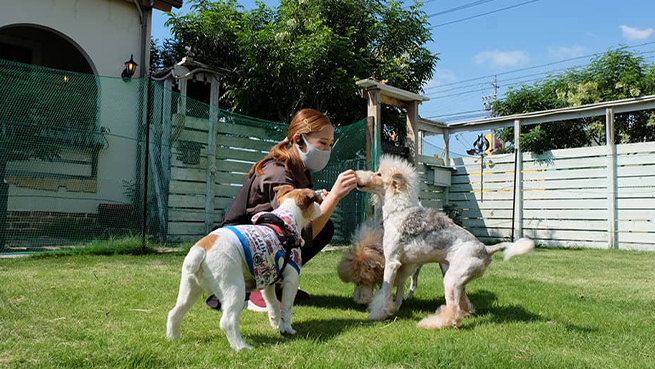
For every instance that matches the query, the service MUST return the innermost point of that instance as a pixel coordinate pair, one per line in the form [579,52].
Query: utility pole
[489,100]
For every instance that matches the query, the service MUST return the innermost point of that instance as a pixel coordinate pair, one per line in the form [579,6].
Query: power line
[461,7]
[532,75]
[521,82]
[444,150]
[538,66]
[483,14]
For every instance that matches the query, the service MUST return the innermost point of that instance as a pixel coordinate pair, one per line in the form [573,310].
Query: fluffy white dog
[221,264]
[416,235]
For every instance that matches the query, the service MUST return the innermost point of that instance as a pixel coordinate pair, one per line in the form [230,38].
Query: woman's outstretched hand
[345,183]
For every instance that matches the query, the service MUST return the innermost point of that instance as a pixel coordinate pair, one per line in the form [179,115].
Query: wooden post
[375,111]
[370,136]
[611,179]
[446,147]
[181,104]
[446,161]
[211,156]
[412,130]
[166,126]
[518,182]
[419,143]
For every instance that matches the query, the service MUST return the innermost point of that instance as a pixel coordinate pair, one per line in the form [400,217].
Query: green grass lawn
[551,309]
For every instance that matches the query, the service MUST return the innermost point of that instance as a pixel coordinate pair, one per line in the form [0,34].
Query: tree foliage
[308,53]
[164,55]
[617,74]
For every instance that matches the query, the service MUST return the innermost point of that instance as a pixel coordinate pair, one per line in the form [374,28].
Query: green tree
[165,55]
[308,53]
[617,74]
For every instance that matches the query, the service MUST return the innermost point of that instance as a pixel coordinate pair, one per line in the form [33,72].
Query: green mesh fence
[349,152]
[73,160]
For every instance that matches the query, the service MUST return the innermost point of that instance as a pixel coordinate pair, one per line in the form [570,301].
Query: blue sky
[527,36]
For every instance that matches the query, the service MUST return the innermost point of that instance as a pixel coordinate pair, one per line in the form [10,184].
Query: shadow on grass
[330,302]
[314,329]
[484,302]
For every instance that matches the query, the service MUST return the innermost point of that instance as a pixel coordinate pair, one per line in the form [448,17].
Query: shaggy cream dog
[217,264]
[363,265]
[416,235]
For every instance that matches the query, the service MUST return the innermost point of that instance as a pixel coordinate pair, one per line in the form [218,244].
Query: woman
[306,149]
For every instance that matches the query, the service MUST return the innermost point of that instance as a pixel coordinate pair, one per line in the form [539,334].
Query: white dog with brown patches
[416,235]
[221,264]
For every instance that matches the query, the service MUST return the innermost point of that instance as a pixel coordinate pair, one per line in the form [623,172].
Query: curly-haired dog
[416,235]
[225,263]
[363,265]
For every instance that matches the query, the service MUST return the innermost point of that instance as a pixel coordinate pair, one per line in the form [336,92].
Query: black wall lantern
[130,68]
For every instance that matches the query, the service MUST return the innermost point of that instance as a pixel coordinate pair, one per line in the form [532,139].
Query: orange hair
[305,121]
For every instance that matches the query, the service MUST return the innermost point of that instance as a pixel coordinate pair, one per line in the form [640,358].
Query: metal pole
[146,166]
[481,178]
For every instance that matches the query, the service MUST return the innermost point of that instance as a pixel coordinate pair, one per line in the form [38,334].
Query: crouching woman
[305,149]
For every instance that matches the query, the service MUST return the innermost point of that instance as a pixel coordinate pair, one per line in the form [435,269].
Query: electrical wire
[532,75]
[461,7]
[483,14]
[538,66]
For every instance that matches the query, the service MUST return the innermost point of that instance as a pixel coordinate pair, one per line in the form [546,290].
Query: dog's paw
[244,347]
[275,322]
[445,317]
[171,335]
[377,316]
[286,330]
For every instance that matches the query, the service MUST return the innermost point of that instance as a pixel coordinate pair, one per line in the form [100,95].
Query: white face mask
[315,159]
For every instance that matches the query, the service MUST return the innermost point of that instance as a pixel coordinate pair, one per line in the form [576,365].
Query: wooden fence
[207,171]
[568,197]
[430,195]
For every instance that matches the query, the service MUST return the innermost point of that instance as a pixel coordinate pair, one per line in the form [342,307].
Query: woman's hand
[345,183]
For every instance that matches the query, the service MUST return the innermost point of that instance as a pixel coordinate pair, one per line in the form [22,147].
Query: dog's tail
[193,260]
[520,247]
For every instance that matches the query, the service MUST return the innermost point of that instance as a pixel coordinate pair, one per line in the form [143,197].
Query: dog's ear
[282,190]
[398,181]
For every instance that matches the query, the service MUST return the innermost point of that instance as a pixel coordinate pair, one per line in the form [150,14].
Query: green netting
[73,160]
[349,152]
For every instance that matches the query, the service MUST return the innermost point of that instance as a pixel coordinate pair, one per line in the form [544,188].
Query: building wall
[107,32]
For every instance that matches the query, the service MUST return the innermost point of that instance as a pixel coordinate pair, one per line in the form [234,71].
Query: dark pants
[317,244]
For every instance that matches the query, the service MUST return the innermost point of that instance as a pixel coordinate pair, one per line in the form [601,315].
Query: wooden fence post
[166,127]
[375,111]
[211,157]
[611,177]
[518,182]
[412,130]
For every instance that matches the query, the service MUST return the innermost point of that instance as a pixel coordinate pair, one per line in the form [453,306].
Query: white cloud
[440,77]
[567,52]
[634,34]
[503,58]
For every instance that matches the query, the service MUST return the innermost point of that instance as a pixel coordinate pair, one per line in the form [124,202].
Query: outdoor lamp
[130,68]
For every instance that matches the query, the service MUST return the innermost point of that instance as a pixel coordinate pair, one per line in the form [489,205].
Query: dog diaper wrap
[262,251]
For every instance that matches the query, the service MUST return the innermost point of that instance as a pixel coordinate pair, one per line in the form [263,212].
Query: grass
[552,309]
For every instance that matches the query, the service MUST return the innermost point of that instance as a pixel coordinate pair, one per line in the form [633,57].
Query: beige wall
[106,32]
